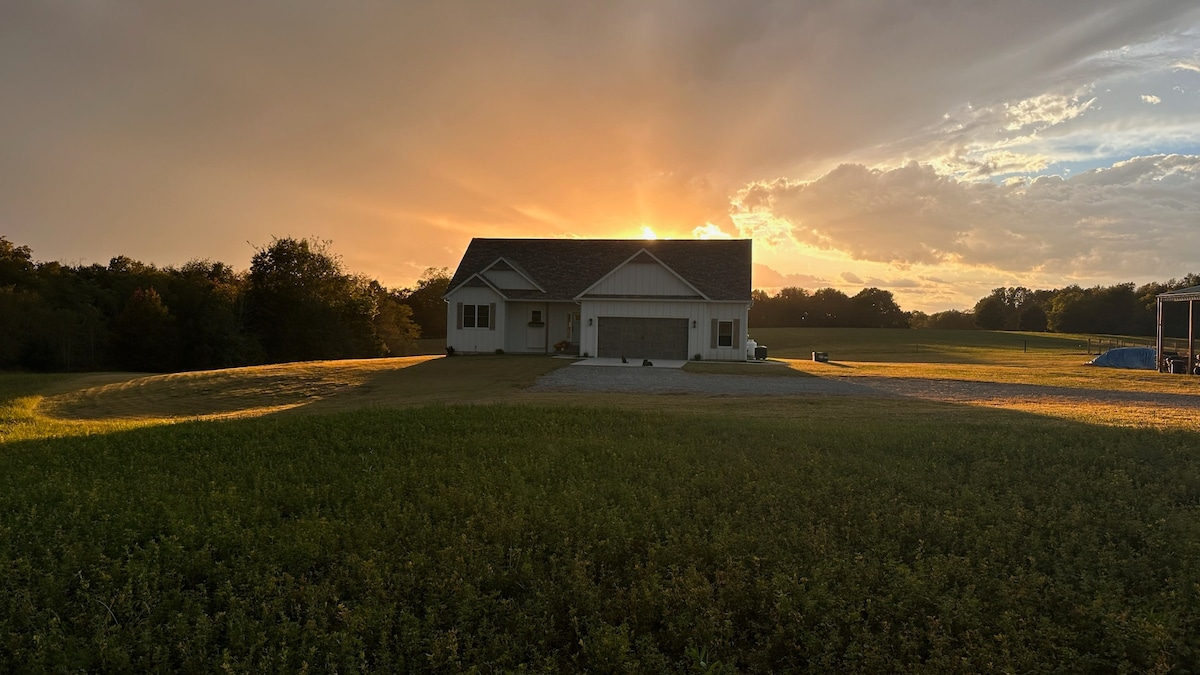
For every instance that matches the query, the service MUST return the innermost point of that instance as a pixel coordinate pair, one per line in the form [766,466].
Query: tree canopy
[296,302]
[827,307]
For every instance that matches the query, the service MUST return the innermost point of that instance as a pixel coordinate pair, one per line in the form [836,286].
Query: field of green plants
[553,536]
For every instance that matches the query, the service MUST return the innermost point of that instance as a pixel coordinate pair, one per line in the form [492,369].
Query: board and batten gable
[642,277]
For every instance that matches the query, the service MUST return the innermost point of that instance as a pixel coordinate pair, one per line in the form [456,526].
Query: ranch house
[611,298]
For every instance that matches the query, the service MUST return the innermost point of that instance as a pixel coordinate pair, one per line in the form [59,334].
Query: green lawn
[393,529]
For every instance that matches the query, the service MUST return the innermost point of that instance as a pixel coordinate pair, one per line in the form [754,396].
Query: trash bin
[760,353]
[1177,365]
[821,357]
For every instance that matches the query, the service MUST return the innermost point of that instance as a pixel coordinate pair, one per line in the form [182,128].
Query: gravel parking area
[666,381]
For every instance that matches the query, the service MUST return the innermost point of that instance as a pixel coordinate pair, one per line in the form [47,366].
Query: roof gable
[507,276]
[642,276]
[564,268]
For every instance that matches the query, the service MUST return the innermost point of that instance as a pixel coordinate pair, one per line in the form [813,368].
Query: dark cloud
[380,122]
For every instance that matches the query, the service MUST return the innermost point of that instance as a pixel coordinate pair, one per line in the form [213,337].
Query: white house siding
[642,279]
[725,311]
[519,336]
[508,279]
[475,340]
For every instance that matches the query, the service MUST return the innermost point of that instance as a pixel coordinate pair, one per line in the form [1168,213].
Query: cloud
[766,278]
[1044,111]
[710,231]
[1184,65]
[1137,217]
[1151,99]
[851,277]
[891,284]
[173,126]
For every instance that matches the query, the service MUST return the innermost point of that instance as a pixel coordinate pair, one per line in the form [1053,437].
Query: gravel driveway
[665,381]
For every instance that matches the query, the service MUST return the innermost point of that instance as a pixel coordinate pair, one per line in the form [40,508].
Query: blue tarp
[1140,358]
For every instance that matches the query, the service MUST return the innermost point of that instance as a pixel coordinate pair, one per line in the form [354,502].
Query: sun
[648,233]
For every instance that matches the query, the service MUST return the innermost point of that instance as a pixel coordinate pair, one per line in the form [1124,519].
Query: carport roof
[720,269]
[1182,294]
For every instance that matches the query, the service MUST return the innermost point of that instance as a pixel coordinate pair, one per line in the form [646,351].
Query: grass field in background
[936,346]
[351,516]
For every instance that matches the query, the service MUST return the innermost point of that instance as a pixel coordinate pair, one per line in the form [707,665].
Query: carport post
[1158,345]
[1191,362]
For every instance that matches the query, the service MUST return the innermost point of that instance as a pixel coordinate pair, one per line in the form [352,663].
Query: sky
[934,148]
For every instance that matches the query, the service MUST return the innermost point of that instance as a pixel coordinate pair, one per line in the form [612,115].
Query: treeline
[826,308]
[295,303]
[1121,309]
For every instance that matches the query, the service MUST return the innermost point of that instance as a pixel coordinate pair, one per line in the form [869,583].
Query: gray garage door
[639,338]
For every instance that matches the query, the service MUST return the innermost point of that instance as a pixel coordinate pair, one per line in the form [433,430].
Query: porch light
[693,323]
[589,320]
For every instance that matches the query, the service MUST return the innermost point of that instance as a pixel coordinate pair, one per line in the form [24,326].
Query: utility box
[821,357]
[760,353]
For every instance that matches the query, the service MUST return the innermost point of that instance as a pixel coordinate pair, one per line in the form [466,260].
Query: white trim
[583,294]
[482,278]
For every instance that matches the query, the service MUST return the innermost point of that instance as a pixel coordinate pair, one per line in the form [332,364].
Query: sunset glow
[1052,143]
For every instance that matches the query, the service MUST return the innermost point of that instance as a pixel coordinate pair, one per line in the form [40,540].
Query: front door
[535,331]
[572,322]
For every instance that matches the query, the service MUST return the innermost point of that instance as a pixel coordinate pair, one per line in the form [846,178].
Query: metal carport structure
[1190,296]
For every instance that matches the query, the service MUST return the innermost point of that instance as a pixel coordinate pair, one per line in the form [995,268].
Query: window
[476,316]
[535,316]
[724,333]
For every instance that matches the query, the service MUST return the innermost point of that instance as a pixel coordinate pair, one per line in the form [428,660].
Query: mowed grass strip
[586,539]
[317,386]
[930,346]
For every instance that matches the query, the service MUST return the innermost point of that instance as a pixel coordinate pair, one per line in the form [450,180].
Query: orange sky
[935,149]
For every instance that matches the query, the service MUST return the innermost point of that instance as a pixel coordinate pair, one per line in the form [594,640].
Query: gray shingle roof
[719,268]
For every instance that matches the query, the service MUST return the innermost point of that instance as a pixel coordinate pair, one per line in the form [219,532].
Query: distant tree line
[1121,309]
[296,302]
[827,307]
